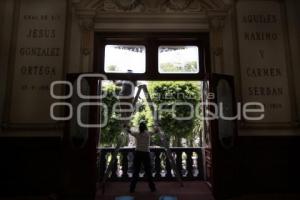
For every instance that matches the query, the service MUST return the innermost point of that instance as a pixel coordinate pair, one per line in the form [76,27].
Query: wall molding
[107,13]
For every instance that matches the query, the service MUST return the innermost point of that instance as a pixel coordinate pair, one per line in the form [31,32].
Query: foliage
[110,132]
[198,131]
[112,68]
[177,67]
[144,114]
[168,93]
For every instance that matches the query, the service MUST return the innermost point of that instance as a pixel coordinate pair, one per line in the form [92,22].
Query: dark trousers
[140,158]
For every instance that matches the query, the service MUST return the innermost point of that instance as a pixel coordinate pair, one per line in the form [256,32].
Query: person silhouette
[142,155]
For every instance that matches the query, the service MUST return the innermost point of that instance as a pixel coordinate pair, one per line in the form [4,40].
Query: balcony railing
[189,162]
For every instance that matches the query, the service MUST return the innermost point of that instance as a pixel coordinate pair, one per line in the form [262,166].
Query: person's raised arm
[128,131]
[156,130]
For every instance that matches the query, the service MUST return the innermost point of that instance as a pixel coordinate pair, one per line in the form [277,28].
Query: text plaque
[38,59]
[263,61]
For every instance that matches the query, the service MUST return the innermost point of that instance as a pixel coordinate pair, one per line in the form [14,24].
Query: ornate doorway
[182,21]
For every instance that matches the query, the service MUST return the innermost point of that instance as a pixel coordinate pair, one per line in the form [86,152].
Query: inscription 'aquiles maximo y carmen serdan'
[263,67]
[260,19]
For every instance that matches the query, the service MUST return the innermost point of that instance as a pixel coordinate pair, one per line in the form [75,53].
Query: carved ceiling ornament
[183,11]
[86,23]
[150,6]
[178,5]
[127,5]
[216,20]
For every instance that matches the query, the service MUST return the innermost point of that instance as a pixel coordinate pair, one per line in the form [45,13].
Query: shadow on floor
[192,190]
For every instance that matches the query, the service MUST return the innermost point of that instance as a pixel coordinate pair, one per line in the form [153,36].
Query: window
[178,59]
[152,56]
[125,58]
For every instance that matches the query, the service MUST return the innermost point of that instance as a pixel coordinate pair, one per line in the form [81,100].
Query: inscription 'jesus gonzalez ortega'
[36,51]
[38,60]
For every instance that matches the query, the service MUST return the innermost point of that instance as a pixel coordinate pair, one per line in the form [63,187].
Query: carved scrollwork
[86,23]
[150,6]
[217,22]
[127,5]
[178,5]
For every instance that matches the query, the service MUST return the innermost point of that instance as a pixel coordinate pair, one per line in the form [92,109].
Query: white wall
[75,42]
[293,24]
[6,9]
[230,57]
[293,14]
[6,26]
[229,45]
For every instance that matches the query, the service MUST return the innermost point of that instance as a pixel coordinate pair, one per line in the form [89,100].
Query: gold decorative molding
[154,15]
[216,20]
[127,5]
[109,15]
[86,12]
[216,23]
[151,6]
[181,6]
[86,23]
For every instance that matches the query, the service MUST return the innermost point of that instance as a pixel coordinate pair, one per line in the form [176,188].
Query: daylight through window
[124,58]
[178,59]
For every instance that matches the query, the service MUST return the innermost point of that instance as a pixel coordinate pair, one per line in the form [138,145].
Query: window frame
[158,65]
[125,72]
[152,41]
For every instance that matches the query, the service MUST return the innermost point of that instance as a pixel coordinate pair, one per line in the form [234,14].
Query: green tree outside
[168,93]
[112,130]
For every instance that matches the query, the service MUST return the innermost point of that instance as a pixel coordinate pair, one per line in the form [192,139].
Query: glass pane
[178,59]
[124,58]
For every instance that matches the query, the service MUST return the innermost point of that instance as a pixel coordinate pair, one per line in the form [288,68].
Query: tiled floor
[269,197]
[192,190]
